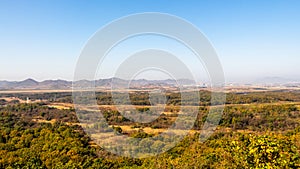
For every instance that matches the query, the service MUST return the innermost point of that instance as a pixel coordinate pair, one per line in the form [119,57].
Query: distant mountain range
[63,84]
[117,82]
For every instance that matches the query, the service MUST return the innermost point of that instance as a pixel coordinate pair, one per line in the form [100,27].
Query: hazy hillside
[63,84]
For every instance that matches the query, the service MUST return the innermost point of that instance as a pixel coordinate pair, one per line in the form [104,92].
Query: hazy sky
[43,39]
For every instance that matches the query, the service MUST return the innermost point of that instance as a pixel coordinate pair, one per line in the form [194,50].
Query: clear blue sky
[43,39]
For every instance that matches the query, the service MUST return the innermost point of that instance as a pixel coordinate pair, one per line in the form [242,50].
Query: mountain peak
[29,80]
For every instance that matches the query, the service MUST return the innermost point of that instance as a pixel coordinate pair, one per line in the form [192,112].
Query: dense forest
[257,130]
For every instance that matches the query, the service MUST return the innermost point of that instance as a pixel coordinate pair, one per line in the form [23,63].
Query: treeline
[261,117]
[263,97]
[51,97]
[173,98]
[22,116]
